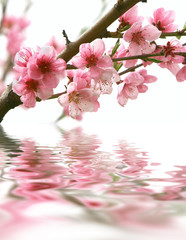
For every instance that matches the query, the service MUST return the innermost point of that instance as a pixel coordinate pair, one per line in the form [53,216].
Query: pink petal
[122,100]
[120,88]
[44,93]
[34,72]
[174,68]
[142,88]
[147,48]
[151,33]
[98,48]
[29,100]
[105,62]
[134,49]
[79,62]
[48,51]
[64,100]
[131,91]
[74,111]
[85,50]
[50,80]
[86,106]
[19,88]
[181,74]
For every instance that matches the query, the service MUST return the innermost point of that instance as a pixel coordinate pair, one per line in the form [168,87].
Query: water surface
[77,190]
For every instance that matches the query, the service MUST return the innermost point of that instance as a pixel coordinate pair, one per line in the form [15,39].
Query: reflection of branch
[8,143]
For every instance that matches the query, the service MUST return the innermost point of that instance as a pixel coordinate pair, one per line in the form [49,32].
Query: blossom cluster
[39,74]
[95,75]
[95,69]
[13,27]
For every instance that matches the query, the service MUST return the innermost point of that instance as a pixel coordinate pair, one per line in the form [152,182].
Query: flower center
[74,96]
[32,85]
[44,66]
[91,61]
[159,26]
[169,50]
[137,37]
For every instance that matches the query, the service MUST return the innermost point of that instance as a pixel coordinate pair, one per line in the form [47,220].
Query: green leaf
[152,60]
[115,178]
[184,27]
[115,48]
[117,66]
[126,27]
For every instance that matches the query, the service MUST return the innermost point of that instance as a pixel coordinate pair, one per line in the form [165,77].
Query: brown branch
[97,30]
[10,100]
[117,34]
[146,56]
[131,69]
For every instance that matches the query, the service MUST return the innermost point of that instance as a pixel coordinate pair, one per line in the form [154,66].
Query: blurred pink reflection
[113,188]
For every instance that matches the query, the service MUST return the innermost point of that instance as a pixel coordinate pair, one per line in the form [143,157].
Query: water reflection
[75,185]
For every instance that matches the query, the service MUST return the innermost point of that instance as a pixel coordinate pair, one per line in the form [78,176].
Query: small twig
[117,34]
[143,57]
[70,66]
[131,69]
[66,37]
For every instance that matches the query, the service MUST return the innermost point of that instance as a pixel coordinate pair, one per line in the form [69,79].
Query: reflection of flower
[113,188]
[34,171]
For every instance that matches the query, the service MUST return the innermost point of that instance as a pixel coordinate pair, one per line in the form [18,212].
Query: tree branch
[10,100]
[117,34]
[97,30]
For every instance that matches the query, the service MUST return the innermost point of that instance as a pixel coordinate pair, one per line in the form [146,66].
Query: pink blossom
[14,41]
[44,66]
[124,52]
[39,74]
[134,84]
[78,101]
[58,46]
[21,60]
[105,80]
[91,56]
[170,60]
[181,74]
[130,17]
[19,23]
[147,79]
[129,88]
[13,28]
[80,77]
[139,38]
[164,20]
[29,89]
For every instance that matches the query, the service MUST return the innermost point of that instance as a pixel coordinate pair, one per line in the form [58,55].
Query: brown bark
[8,101]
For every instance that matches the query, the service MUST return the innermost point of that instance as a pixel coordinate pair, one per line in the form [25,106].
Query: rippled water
[75,190]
